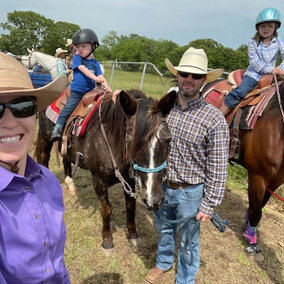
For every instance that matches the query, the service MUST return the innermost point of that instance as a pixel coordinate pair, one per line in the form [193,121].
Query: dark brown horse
[262,154]
[138,137]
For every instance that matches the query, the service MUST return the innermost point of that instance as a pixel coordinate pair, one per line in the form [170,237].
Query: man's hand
[202,217]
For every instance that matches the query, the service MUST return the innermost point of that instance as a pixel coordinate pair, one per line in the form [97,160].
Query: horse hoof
[254,251]
[108,252]
[135,244]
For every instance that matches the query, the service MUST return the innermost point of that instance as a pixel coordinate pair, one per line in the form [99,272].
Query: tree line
[27,29]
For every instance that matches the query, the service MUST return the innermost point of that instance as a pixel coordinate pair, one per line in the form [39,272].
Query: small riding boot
[225,110]
[56,133]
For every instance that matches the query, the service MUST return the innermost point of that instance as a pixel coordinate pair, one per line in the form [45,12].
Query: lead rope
[126,186]
[278,96]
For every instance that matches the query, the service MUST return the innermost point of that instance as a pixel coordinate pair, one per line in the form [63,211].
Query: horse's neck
[48,62]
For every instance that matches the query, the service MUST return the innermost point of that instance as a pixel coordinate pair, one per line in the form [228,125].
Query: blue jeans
[233,98]
[178,203]
[71,104]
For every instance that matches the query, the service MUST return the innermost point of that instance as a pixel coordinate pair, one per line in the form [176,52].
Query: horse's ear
[128,103]
[167,102]
[29,51]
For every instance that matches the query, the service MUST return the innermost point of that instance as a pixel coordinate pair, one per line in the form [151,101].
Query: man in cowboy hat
[61,67]
[31,205]
[197,169]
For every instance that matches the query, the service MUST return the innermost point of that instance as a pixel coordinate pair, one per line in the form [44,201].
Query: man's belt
[177,185]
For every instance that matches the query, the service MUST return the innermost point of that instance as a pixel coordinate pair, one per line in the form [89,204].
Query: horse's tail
[43,143]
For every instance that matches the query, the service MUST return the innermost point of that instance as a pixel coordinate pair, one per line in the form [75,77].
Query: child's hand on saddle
[107,88]
[278,71]
[98,79]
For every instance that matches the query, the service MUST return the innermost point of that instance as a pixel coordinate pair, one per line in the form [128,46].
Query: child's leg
[71,104]
[233,98]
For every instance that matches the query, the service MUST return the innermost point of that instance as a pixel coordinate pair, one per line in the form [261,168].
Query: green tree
[28,29]
[57,35]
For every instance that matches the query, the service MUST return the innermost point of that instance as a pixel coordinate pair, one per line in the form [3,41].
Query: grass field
[222,257]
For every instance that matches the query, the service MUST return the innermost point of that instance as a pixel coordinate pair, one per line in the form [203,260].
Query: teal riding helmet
[268,15]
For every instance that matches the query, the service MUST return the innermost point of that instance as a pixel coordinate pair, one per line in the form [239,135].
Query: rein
[278,96]
[126,186]
[274,194]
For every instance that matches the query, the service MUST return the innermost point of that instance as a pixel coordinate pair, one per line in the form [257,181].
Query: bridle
[136,167]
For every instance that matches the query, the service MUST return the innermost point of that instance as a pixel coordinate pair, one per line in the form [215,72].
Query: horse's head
[148,139]
[31,60]
[48,62]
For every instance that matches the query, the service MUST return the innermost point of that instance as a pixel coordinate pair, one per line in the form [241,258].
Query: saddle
[247,111]
[78,120]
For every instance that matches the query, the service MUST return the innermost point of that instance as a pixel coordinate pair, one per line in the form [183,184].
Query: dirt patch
[222,255]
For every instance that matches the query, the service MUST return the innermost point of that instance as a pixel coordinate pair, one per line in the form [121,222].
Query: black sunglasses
[193,75]
[20,108]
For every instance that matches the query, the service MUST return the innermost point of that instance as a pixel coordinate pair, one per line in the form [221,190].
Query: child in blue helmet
[87,74]
[263,51]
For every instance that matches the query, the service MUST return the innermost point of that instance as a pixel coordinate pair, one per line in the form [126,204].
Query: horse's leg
[256,192]
[130,203]
[43,148]
[68,177]
[102,193]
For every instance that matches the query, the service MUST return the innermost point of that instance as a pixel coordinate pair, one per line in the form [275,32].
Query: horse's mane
[146,126]
[145,123]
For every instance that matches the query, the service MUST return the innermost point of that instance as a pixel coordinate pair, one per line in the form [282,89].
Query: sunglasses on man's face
[193,75]
[20,108]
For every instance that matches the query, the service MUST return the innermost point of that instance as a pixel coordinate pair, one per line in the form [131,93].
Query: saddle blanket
[52,113]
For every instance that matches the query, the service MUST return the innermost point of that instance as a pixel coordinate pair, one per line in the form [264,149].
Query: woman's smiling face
[16,134]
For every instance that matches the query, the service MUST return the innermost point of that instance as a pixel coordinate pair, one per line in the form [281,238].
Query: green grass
[154,85]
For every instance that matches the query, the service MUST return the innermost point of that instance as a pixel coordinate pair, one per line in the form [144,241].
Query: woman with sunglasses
[196,172]
[32,231]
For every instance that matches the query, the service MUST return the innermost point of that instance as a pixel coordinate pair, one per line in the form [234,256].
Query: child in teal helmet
[263,51]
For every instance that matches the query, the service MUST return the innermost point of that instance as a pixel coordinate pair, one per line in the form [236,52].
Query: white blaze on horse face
[150,176]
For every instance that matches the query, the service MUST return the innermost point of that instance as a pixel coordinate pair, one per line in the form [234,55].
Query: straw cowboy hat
[59,50]
[194,61]
[69,42]
[15,81]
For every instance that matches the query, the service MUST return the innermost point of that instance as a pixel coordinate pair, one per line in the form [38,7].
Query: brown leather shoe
[154,275]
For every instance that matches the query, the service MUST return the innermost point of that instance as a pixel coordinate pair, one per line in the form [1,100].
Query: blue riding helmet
[268,15]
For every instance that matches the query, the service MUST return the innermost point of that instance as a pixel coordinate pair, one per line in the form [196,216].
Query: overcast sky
[229,22]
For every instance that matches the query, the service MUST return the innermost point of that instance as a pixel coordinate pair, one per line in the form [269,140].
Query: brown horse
[138,137]
[262,154]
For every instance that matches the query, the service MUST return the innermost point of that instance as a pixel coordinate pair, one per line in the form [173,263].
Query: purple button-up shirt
[32,231]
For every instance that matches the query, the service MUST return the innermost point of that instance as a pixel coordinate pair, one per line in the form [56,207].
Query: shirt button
[27,188]
[37,216]
[45,244]
[47,270]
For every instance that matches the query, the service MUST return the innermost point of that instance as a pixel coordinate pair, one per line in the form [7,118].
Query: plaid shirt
[61,67]
[199,150]
[263,58]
